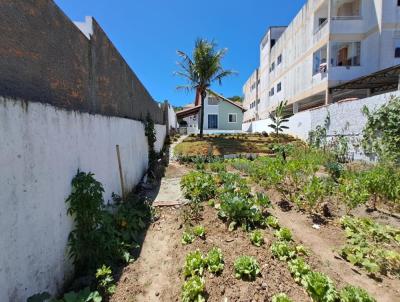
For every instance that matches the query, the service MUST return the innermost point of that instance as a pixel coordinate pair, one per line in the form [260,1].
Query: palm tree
[202,70]
[279,117]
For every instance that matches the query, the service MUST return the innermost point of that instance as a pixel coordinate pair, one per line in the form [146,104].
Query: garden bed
[221,144]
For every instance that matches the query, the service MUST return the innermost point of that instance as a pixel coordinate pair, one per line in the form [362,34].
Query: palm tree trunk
[203,96]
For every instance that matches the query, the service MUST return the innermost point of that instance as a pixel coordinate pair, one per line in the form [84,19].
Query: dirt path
[324,243]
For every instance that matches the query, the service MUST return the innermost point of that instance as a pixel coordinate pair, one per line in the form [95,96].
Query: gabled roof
[188,111]
[226,100]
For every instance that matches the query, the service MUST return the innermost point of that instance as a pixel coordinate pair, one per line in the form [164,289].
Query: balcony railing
[346,17]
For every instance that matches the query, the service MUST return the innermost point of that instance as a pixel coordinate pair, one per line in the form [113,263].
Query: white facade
[328,42]
[41,149]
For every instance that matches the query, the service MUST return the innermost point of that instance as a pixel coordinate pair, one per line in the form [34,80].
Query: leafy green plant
[299,268]
[246,267]
[283,250]
[281,297]
[199,231]
[319,287]
[284,234]
[94,239]
[312,195]
[150,133]
[335,169]
[193,290]
[272,222]
[84,295]
[215,261]
[381,132]
[187,238]
[217,167]
[279,117]
[105,280]
[194,264]
[198,186]
[355,294]
[352,192]
[256,238]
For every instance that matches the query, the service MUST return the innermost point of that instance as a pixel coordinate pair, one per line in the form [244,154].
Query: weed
[105,280]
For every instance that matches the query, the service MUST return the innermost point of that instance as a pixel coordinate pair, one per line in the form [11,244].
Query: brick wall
[45,58]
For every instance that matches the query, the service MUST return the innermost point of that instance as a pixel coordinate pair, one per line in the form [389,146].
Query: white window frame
[213,97]
[235,114]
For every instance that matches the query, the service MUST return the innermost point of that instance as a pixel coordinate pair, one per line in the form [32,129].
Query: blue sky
[148,32]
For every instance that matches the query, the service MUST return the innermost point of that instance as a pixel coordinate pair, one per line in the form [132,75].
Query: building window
[272,67]
[258,101]
[319,60]
[346,54]
[343,9]
[213,121]
[273,41]
[279,59]
[398,2]
[279,87]
[232,118]
[397,51]
[271,92]
[212,100]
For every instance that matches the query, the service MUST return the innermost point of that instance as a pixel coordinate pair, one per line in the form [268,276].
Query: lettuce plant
[246,267]
[281,297]
[272,222]
[299,268]
[194,264]
[320,287]
[215,261]
[256,238]
[284,234]
[354,294]
[187,238]
[283,250]
[193,290]
[199,231]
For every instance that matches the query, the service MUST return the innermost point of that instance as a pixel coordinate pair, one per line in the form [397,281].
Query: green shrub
[187,238]
[246,267]
[313,194]
[335,169]
[381,132]
[215,261]
[256,238]
[281,297]
[320,287]
[194,264]
[284,234]
[354,294]
[299,268]
[217,167]
[283,250]
[193,290]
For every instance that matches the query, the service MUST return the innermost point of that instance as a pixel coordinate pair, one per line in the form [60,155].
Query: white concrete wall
[41,149]
[172,120]
[346,118]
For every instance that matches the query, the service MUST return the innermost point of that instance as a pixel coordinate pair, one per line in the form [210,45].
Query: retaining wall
[41,149]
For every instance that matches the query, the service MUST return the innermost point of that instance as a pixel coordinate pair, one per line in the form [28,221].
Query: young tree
[279,117]
[202,70]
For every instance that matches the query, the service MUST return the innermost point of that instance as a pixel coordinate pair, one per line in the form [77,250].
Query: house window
[279,59]
[346,54]
[279,87]
[213,121]
[398,2]
[397,51]
[232,118]
[212,100]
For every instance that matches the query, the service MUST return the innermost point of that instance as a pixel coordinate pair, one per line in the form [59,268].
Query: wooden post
[121,176]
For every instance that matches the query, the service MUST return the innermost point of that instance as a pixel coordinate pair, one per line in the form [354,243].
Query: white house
[221,115]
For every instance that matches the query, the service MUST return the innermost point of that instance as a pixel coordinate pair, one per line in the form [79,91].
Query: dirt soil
[157,274]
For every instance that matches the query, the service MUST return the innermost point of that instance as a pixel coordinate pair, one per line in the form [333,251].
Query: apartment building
[328,42]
